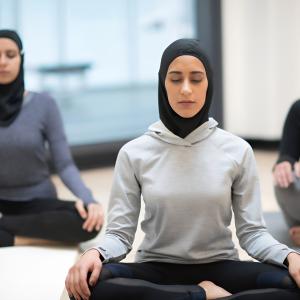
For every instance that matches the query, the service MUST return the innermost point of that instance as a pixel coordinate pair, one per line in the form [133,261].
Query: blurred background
[99,60]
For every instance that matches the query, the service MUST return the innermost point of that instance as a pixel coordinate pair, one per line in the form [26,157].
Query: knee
[105,290]
[93,234]
[281,193]
[83,235]
[105,274]
[292,191]
[280,280]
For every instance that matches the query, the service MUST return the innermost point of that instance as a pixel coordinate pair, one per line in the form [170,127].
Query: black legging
[147,281]
[50,219]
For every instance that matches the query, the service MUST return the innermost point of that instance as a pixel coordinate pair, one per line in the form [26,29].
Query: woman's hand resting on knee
[294,266]
[283,173]
[93,216]
[76,280]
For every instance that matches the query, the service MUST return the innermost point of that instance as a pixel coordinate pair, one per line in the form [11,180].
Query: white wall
[261,65]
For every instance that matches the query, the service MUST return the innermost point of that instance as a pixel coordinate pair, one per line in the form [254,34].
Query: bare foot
[295,235]
[213,291]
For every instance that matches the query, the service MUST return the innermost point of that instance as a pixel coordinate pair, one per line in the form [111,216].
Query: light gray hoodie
[190,187]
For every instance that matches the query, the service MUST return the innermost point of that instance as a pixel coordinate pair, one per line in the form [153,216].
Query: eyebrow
[193,72]
[10,51]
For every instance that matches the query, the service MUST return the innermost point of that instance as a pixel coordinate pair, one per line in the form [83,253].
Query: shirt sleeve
[123,212]
[290,142]
[61,154]
[250,225]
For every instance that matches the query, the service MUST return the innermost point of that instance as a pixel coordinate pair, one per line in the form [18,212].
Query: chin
[186,115]
[5,81]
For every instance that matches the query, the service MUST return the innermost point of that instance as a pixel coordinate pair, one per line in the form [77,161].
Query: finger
[77,286]
[67,285]
[72,291]
[278,176]
[288,174]
[285,176]
[95,274]
[81,210]
[88,219]
[99,220]
[297,169]
[284,180]
[83,284]
[93,217]
[93,220]
[281,180]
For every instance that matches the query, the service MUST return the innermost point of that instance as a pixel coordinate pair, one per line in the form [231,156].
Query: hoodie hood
[160,131]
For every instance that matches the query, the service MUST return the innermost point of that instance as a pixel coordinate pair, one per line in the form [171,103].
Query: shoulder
[43,100]
[44,107]
[224,138]
[295,108]
[233,146]
[137,145]
[46,104]
[296,104]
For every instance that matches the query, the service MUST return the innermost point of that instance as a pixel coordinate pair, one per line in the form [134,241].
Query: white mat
[34,273]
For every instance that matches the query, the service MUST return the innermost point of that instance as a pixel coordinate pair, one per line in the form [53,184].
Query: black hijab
[11,94]
[175,123]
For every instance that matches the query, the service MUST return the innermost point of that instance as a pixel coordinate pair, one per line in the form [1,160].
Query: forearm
[290,142]
[71,178]
[263,247]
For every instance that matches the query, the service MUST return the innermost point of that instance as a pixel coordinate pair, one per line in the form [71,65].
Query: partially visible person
[286,172]
[30,122]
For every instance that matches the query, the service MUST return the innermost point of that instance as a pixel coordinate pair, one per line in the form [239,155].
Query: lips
[186,101]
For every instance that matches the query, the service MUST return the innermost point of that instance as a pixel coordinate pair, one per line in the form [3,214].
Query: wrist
[290,258]
[98,254]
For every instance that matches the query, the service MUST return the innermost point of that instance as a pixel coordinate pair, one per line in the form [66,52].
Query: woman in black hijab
[173,121]
[11,93]
[191,175]
[30,212]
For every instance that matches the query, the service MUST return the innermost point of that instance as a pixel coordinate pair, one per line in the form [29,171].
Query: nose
[3,60]
[186,87]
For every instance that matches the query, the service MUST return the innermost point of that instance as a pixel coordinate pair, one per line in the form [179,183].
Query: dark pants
[289,202]
[146,281]
[49,219]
